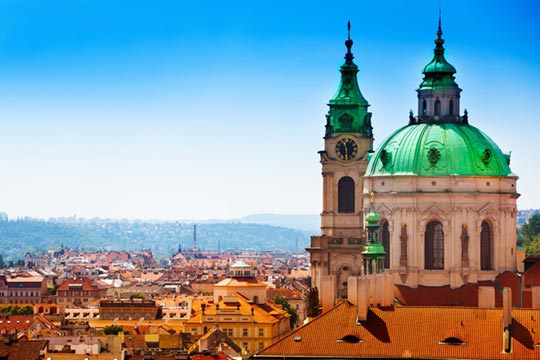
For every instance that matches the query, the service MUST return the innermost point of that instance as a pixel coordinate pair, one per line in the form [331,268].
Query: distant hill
[302,222]
[164,238]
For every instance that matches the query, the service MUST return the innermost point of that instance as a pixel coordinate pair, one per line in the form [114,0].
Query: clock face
[346,149]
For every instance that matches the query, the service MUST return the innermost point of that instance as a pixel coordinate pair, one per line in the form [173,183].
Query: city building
[132,309]
[21,289]
[80,291]
[444,190]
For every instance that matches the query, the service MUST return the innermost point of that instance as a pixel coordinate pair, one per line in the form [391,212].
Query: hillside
[164,238]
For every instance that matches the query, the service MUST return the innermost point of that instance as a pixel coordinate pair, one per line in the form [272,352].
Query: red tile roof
[415,332]
[24,350]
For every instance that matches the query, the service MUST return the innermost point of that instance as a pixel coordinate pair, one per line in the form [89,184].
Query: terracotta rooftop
[415,332]
[23,350]
[289,294]
[85,284]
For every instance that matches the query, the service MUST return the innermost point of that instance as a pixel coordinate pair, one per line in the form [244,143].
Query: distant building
[22,289]
[133,309]
[80,291]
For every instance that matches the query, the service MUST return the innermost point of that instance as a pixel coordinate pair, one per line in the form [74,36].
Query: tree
[533,247]
[531,228]
[113,329]
[282,300]
[531,232]
[17,310]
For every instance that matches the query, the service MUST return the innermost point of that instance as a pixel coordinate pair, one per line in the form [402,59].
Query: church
[427,219]
[443,190]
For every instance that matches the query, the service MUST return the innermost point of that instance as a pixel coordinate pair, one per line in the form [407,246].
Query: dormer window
[351,339]
[452,341]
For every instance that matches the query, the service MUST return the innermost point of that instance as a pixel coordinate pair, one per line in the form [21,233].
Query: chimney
[535,297]
[486,297]
[362,298]
[507,320]
[328,292]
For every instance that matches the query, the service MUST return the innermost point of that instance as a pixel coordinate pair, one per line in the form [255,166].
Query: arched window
[424,107]
[434,246]
[486,240]
[438,107]
[451,107]
[385,240]
[346,195]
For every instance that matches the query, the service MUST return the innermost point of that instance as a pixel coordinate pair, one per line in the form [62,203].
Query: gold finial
[372,196]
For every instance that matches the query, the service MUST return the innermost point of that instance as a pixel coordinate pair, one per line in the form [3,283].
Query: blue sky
[209,109]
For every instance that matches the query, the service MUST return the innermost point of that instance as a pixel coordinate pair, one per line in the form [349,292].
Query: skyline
[213,110]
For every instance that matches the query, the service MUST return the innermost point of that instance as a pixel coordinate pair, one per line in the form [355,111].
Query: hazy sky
[216,109]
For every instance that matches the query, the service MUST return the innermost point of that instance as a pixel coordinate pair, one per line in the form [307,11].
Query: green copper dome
[430,149]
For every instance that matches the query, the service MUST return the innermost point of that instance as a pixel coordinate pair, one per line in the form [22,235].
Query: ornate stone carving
[464,246]
[433,155]
[486,156]
[403,237]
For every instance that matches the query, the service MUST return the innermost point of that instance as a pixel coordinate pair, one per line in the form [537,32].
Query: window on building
[434,246]
[244,332]
[346,195]
[385,240]
[486,240]
[424,107]
[451,107]
[229,332]
[438,107]
[261,332]
[245,345]
[261,345]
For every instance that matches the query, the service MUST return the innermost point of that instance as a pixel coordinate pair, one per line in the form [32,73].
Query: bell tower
[347,141]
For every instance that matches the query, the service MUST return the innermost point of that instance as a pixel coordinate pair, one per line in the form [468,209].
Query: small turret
[373,254]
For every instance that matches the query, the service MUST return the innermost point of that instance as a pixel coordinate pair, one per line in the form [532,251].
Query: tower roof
[438,73]
[439,145]
[348,107]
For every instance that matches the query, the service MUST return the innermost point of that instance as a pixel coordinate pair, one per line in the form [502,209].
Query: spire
[349,43]
[439,73]
[348,108]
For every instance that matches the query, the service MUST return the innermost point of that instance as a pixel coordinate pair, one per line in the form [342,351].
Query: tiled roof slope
[413,332]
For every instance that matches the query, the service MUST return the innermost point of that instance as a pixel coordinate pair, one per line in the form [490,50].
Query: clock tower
[336,254]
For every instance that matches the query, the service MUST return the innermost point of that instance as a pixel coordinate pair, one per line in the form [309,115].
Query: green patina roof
[430,149]
[374,249]
[439,73]
[348,108]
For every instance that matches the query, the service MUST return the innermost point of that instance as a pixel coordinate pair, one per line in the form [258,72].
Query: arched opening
[438,107]
[451,107]
[346,195]
[424,107]
[434,246]
[385,240]
[486,248]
